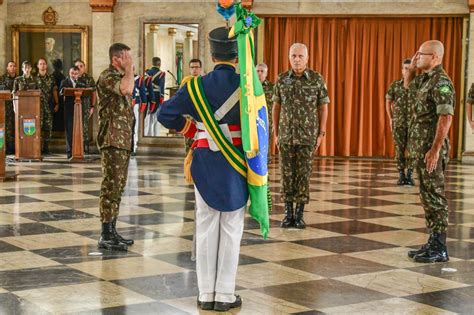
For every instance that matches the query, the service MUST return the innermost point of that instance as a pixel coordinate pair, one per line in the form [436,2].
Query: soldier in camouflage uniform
[262,71]
[88,102]
[469,104]
[116,121]
[26,81]
[399,110]
[6,83]
[47,84]
[301,96]
[428,146]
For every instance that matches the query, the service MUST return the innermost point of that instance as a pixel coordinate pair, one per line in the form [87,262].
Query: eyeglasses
[425,54]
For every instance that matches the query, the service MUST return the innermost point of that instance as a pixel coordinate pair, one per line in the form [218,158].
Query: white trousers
[152,126]
[218,236]
[137,122]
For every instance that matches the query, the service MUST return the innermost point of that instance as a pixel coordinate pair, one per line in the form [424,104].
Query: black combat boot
[409,179]
[413,253]
[436,252]
[402,179]
[108,239]
[289,219]
[299,223]
[128,242]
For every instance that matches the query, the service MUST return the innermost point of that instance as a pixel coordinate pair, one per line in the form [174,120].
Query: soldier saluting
[428,145]
[116,120]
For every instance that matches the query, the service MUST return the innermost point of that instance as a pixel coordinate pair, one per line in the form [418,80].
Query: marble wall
[125,24]
[30,12]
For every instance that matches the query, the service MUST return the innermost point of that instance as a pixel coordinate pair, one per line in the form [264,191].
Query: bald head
[429,55]
[433,46]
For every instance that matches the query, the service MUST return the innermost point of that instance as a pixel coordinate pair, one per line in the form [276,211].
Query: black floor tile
[334,265]
[137,309]
[27,229]
[455,300]
[7,247]
[17,199]
[461,249]
[79,254]
[352,227]
[344,244]
[12,304]
[322,293]
[25,279]
[154,218]
[359,213]
[183,284]
[57,215]
[170,206]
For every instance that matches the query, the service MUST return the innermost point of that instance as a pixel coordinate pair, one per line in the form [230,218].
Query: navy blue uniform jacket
[221,187]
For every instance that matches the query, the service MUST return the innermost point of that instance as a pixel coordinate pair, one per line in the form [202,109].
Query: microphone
[175,80]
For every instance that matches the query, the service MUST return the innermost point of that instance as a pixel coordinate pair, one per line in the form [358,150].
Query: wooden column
[77,135]
[28,125]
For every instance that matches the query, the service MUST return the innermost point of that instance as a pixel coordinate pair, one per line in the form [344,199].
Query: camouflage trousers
[400,138]
[114,178]
[296,166]
[85,120]
[432,195]
[46,121]
[9,125]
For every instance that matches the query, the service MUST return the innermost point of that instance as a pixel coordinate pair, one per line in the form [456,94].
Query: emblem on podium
[29,126]
[2,137]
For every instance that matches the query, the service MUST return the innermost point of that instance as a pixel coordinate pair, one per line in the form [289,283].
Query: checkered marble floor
[350,259]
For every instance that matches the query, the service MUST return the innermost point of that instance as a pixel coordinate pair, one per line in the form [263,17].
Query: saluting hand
[127,62]
[431,160]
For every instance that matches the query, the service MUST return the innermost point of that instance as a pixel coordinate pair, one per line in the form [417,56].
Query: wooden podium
[4,95]
[77,132]
[28,125]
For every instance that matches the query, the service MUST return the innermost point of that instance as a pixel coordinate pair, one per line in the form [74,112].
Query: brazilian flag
[254,118]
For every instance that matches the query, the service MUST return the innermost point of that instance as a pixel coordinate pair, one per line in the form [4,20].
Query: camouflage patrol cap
[222,47]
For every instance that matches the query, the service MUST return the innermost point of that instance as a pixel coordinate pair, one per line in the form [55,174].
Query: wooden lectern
[28,125]
[77,135]
[4,95]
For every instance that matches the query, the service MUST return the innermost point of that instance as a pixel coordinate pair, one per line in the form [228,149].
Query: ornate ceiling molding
[102,5]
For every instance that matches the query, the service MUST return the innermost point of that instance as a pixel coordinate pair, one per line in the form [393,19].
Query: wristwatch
[322,133]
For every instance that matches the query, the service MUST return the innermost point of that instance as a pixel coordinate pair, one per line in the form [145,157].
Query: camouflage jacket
[6,82]
[268,89]
[402,103]
[22,84]
[87,81]
[470,95]
[434,96]
[300,98]
[116,117]
[46,84]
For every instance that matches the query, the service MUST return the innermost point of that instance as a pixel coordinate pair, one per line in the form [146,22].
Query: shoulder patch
[445,89]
